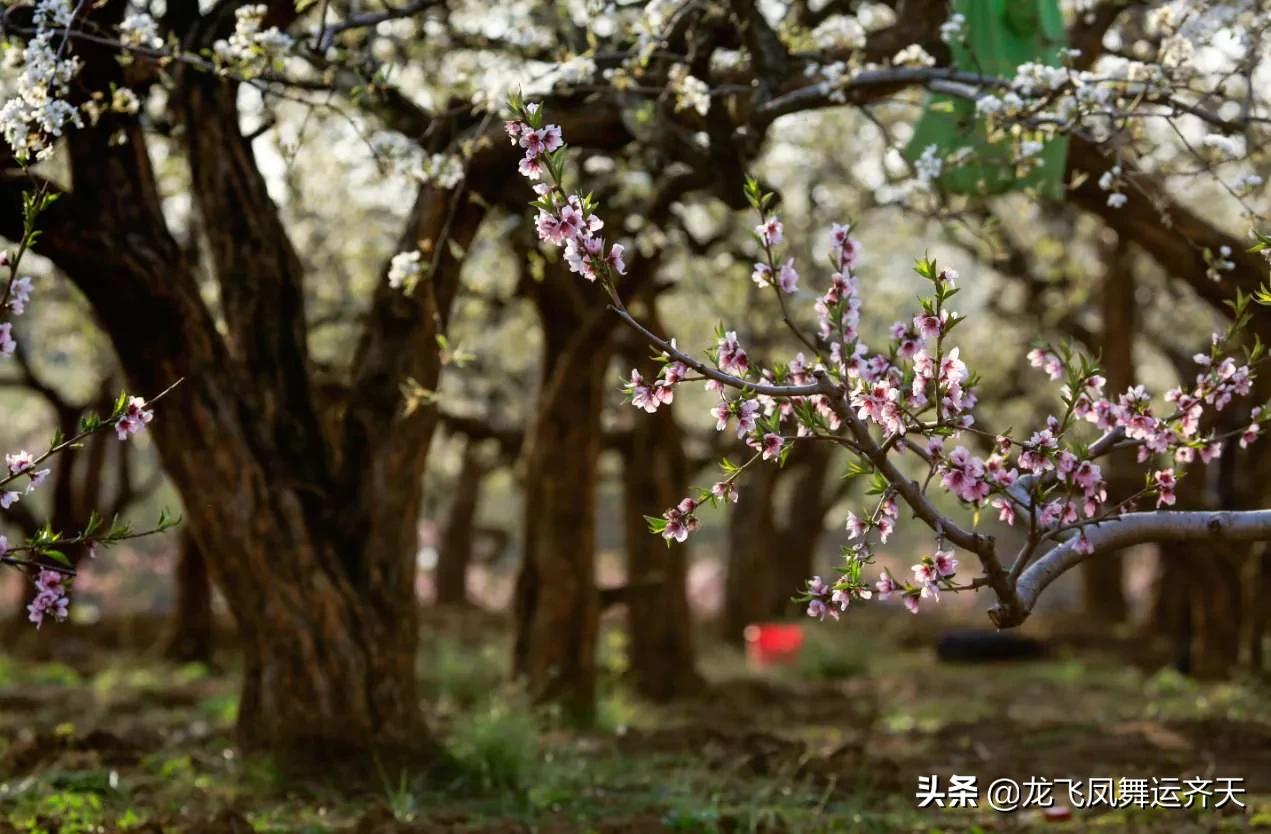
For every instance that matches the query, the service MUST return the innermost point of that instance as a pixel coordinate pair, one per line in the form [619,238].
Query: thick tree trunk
[193,625]
[1215,607]
[752,543]
[341,687]
[1171,614]
[1222,619]
[772,554]
[1200,599]
[1102,585]
[313,547]
[557,605]
[655,477]
[804,524]
[1257,578]
[459,535]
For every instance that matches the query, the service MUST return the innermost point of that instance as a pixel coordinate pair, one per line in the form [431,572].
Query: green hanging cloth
[999,36]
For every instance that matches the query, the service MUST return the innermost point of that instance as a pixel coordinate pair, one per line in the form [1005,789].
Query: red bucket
[773,644]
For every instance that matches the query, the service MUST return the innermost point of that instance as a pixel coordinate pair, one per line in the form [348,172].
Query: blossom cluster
[51,598]
[691,93]
[660,391]
[38,112]
[929,576]
[140,30]
[913,397]
[1054,97]
[564,220]
[405,269]
[132,418]
[252,48]
[21,463]
[16,298]
[1176,434]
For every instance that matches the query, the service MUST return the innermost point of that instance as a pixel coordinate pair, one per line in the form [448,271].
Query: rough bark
[1214,609]
[655,477]
[1170,616]
[1257,578]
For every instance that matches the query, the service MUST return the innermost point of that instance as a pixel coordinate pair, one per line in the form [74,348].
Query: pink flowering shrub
[904,410]
[24,473]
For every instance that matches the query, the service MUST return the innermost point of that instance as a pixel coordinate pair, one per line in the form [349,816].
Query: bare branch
[1132,529]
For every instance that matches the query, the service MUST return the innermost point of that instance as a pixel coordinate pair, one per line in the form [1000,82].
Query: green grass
[831,745]
[497,745]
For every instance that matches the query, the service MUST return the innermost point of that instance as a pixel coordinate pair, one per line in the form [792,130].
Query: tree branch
[259,273]
[1172,235]
[1132,529]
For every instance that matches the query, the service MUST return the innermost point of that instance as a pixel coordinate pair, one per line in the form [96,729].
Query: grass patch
[496,747]
[826,656]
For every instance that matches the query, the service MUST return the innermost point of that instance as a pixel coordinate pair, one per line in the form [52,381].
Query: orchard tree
[900,410]
[310,532]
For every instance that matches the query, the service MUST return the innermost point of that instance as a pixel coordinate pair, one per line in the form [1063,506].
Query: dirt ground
[105,737]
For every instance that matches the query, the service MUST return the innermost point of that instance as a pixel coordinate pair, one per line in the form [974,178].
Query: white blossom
[840,31]
[1225,146]
[913,56]
[405,269]
[989,105]
[250,49]
[578,69]
[929,165]
[951,31]
[691,93]
[37,113]
[443,170]
[139,30]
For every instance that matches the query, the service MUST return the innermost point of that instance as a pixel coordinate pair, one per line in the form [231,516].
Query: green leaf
[656,524]
[57,556]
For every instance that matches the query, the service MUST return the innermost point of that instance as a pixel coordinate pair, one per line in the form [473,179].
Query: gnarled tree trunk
[313,544]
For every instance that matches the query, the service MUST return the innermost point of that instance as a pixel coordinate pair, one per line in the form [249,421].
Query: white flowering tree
[307,508]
